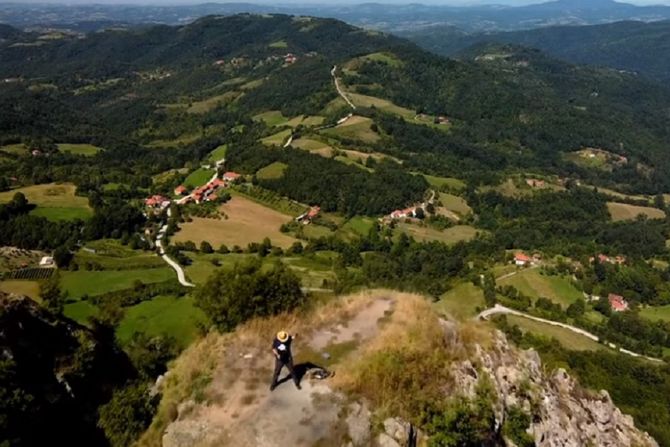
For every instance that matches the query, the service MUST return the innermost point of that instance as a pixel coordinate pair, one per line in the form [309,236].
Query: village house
[47,261]
[618,260]
[535,183]
[522,259]
[618,303]
[442,120]
[401,214]
[219,62]
[206,192]
[157,201]
[180,190]
[231,176]
[290,58]
[308,216]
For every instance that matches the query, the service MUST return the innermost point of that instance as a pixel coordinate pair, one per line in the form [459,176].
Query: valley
[235,175]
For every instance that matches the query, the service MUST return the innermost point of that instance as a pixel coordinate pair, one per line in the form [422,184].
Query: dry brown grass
[196,362]
[624,211]
[247,222]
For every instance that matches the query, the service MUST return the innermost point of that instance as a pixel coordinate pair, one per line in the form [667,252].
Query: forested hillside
[637,47]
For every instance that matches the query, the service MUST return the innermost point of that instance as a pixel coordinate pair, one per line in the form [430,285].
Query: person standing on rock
[281,348]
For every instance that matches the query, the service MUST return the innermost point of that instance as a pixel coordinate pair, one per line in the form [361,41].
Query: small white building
[47,261]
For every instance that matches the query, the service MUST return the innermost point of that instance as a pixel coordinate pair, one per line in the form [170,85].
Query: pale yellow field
[54,195]
[21,287]
[623,211]
[247,222]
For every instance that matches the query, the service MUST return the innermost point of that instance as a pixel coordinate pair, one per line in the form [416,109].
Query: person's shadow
[300,370]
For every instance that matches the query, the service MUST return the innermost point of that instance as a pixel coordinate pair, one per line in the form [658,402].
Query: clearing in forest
[55,201]
[247,222]
[355,128]
[624,211]
[534,284]
[451,235]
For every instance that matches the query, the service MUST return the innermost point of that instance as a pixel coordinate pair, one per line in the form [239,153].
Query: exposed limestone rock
[358,424]
[563,413]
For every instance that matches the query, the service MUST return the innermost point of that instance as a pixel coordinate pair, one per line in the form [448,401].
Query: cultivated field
[381,104]
[198,178]
[92,283]
[86,150]
[272,171]
[314,146]
[54,201]
[247,222]
[567,338]
[451,235]
[355,128]
[623,211]
[462,302]
[277,139]
[21,287]
[533,284]
[162,316]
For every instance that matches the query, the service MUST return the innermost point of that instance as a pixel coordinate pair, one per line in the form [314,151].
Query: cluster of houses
[157,202]
[617,260]
[617,302]
[402,214]
[290,58]
[308,216]
[205,193]
[521,259]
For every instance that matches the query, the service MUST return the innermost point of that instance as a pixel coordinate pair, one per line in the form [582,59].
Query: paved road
[500,309]
[181,276]
[339,89]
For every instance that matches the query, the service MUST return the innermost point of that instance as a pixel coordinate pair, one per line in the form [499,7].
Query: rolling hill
[633,46]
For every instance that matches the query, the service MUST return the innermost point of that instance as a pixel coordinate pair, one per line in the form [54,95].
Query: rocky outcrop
[563,413]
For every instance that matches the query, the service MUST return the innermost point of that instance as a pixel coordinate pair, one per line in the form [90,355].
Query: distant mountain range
[643,48]
[372,15]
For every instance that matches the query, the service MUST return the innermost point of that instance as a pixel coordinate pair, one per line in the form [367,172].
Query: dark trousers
[279,364]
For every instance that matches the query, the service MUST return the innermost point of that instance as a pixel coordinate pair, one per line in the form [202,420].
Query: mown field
[111,255]
[624,211]
[198,178]
[462,302]
[21,287]
[55,201]
[355,128]
[532,283]
[80,283]
[247,222]
[277,139]
[448,182]
[315,146]
[162,316]
[86,150]
[219,153]
[451,235]
[566,337]
[656,313]
[454,203]
[272,171]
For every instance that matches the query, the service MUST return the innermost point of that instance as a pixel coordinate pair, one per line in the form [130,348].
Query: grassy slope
[535,285]
[54,201]
[97,282]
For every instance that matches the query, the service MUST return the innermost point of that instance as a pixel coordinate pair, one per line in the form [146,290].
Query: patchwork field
[315,146]
[623,211]
[355,128]
[452,235]
[162,316]
[272,171]
[208,104]
[86,150]
[247,222]
[277,139]
[80,283]
[55,201]
[462,301]
[448,182]
[381,104]
[21,287]
[532,283]
[454,203]
[656,313]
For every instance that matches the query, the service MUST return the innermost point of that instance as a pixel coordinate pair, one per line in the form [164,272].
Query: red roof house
[313,212]
[617,302]
[231,176]
[521,259]
[180,190]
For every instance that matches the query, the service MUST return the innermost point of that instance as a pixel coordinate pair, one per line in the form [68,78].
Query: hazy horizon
[316,2]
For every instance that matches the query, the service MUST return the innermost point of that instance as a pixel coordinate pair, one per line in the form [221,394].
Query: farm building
[157,201]
[618,303]
[47,261]
[535,183]
[522,259]
[290,58]
[307,217]
[400,214]
[180,190]
[231,176]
